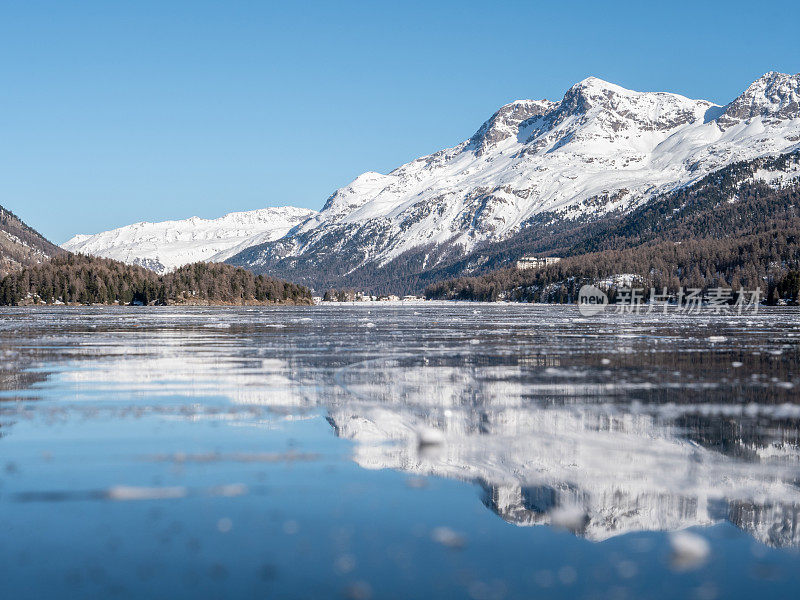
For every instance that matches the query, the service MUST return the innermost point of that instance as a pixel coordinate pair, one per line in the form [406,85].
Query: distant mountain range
[168,245]
[20,245]
[602,150]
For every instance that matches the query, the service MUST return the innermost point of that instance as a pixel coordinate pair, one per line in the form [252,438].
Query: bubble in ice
[290,527]
[448,537]
[571,518]
[689,550]
[359,590]
[567,575]
[224,525]
[129,492]
[627,569]
[345,563]
[416,482]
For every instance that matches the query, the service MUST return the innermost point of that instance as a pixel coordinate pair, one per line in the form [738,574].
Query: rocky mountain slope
[735,227]
[167,245]
[600,150]
[534,166]
[21,246]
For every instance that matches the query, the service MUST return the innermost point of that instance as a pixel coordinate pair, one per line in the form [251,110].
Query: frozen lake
[425,450]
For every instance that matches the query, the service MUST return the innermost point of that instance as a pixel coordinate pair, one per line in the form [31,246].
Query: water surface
[396,451]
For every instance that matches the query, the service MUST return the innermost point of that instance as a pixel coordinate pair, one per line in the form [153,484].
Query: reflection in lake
[606,426]
[539,448]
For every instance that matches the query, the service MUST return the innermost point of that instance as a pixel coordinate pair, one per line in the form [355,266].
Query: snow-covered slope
[20,245]
[167,245]
[601,148]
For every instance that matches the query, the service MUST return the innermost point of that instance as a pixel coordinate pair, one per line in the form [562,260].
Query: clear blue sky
[112,112]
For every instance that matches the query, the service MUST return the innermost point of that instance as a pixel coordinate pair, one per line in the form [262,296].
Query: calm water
[415,451]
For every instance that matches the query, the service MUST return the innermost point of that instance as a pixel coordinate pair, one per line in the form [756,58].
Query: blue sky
[112,112]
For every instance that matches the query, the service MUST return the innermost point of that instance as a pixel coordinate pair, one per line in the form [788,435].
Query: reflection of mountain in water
[610,468]
[659,443]
[613,512]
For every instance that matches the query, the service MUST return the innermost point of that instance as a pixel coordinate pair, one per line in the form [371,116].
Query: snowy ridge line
[599,150]
[167,245]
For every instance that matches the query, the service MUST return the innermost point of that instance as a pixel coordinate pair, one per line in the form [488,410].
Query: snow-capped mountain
[601,148]
[170,244]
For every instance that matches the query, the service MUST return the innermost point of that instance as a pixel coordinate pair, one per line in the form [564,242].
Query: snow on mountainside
[20,245]
[170,244]
[775,95]
[602,148]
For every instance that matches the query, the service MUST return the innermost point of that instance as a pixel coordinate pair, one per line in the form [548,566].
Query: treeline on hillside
[729,203]
[769,261]
[28,236]
[726,230]
[726,203]
[20,245]
[79,279]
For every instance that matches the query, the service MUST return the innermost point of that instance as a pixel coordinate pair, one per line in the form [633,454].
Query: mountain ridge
[736,227]
[166,245]
[600,150]
[20,244]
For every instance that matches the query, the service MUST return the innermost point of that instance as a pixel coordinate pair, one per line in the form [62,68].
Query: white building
[536,262]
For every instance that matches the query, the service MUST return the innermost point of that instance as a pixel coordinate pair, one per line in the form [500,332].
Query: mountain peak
[169,244]
[594,89]
[594,84]
[773,95]
[775,77]
[614,109]
[506,121]
[593,92]
[602,149]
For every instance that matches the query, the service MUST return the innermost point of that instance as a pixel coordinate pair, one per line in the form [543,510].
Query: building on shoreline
[536,262]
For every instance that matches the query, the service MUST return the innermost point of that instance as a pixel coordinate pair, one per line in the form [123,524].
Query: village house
[536,262]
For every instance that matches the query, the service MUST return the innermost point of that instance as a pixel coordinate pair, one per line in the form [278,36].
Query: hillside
[79,279]
[167,245]
[738,227]
[536,167]
[21,245]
